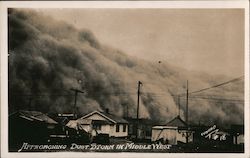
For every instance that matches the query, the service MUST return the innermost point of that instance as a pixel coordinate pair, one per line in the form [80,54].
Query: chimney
[107,110]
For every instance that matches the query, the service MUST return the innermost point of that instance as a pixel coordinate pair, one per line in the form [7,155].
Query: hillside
[47,58]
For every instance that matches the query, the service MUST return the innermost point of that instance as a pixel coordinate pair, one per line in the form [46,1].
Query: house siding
[181,136]
[120,133]
[170,135]
[105,129]
[240,139]
[87,128]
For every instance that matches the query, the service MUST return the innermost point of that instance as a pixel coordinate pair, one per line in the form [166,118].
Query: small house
[173,132]
[98,122]
[29,126]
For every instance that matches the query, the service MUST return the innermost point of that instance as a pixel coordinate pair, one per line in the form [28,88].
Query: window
[124,128]
[97,126]
[117,128]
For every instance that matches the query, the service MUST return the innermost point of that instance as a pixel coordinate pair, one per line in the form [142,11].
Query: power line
[94,94]
[201,90]
[218,99]
[194,96]
[218,85]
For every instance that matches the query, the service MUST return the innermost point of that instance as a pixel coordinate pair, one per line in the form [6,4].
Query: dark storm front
[68,92]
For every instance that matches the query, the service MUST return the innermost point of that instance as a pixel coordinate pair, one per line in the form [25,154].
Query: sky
[206,40]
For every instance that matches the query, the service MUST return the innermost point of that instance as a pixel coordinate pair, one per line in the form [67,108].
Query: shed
[173,132]
[237,132]
[142,126]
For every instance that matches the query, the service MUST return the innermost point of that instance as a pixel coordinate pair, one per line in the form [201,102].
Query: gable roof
[75,124]
[108,116]
[177,122]
[35,116]
[117,119]
[72,124]
[84,121]
[163,127]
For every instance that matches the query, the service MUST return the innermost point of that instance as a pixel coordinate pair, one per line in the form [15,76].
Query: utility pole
[187,114]
[127,110]
[76,92]
[125,115]
[138,103]
[179,106]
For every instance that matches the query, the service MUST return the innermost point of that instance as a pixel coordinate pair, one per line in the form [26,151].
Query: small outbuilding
[237,132]
[174,132]
[142,126]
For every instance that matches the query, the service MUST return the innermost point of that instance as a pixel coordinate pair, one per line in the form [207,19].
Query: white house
[104,123]
[173,132]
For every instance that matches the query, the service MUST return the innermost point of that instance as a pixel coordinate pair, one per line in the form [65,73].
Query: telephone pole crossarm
[76,93]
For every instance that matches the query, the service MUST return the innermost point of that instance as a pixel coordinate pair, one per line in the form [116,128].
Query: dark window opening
[117,128]
[124,128]
[97,126]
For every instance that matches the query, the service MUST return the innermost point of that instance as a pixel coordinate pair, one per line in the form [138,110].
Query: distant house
[172,133]
[62,120]
[143,127]
[237,132]
[69,116]
[68,130]
[104,123]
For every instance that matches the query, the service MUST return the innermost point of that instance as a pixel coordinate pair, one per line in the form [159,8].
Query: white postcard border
[4,5]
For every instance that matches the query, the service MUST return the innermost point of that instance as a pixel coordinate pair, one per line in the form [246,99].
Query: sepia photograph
[126,80]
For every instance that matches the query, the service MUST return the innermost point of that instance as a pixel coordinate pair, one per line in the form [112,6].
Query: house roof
[72,124]
[66,115]
[84,121]
[108,116]
[163,127]
[36,116]
[177,122]
[75,124]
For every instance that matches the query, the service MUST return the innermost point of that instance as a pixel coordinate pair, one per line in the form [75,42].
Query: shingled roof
[108,116]
[35,116]
[177,122]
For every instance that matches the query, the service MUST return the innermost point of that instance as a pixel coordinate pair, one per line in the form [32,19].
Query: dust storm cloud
[47,58]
